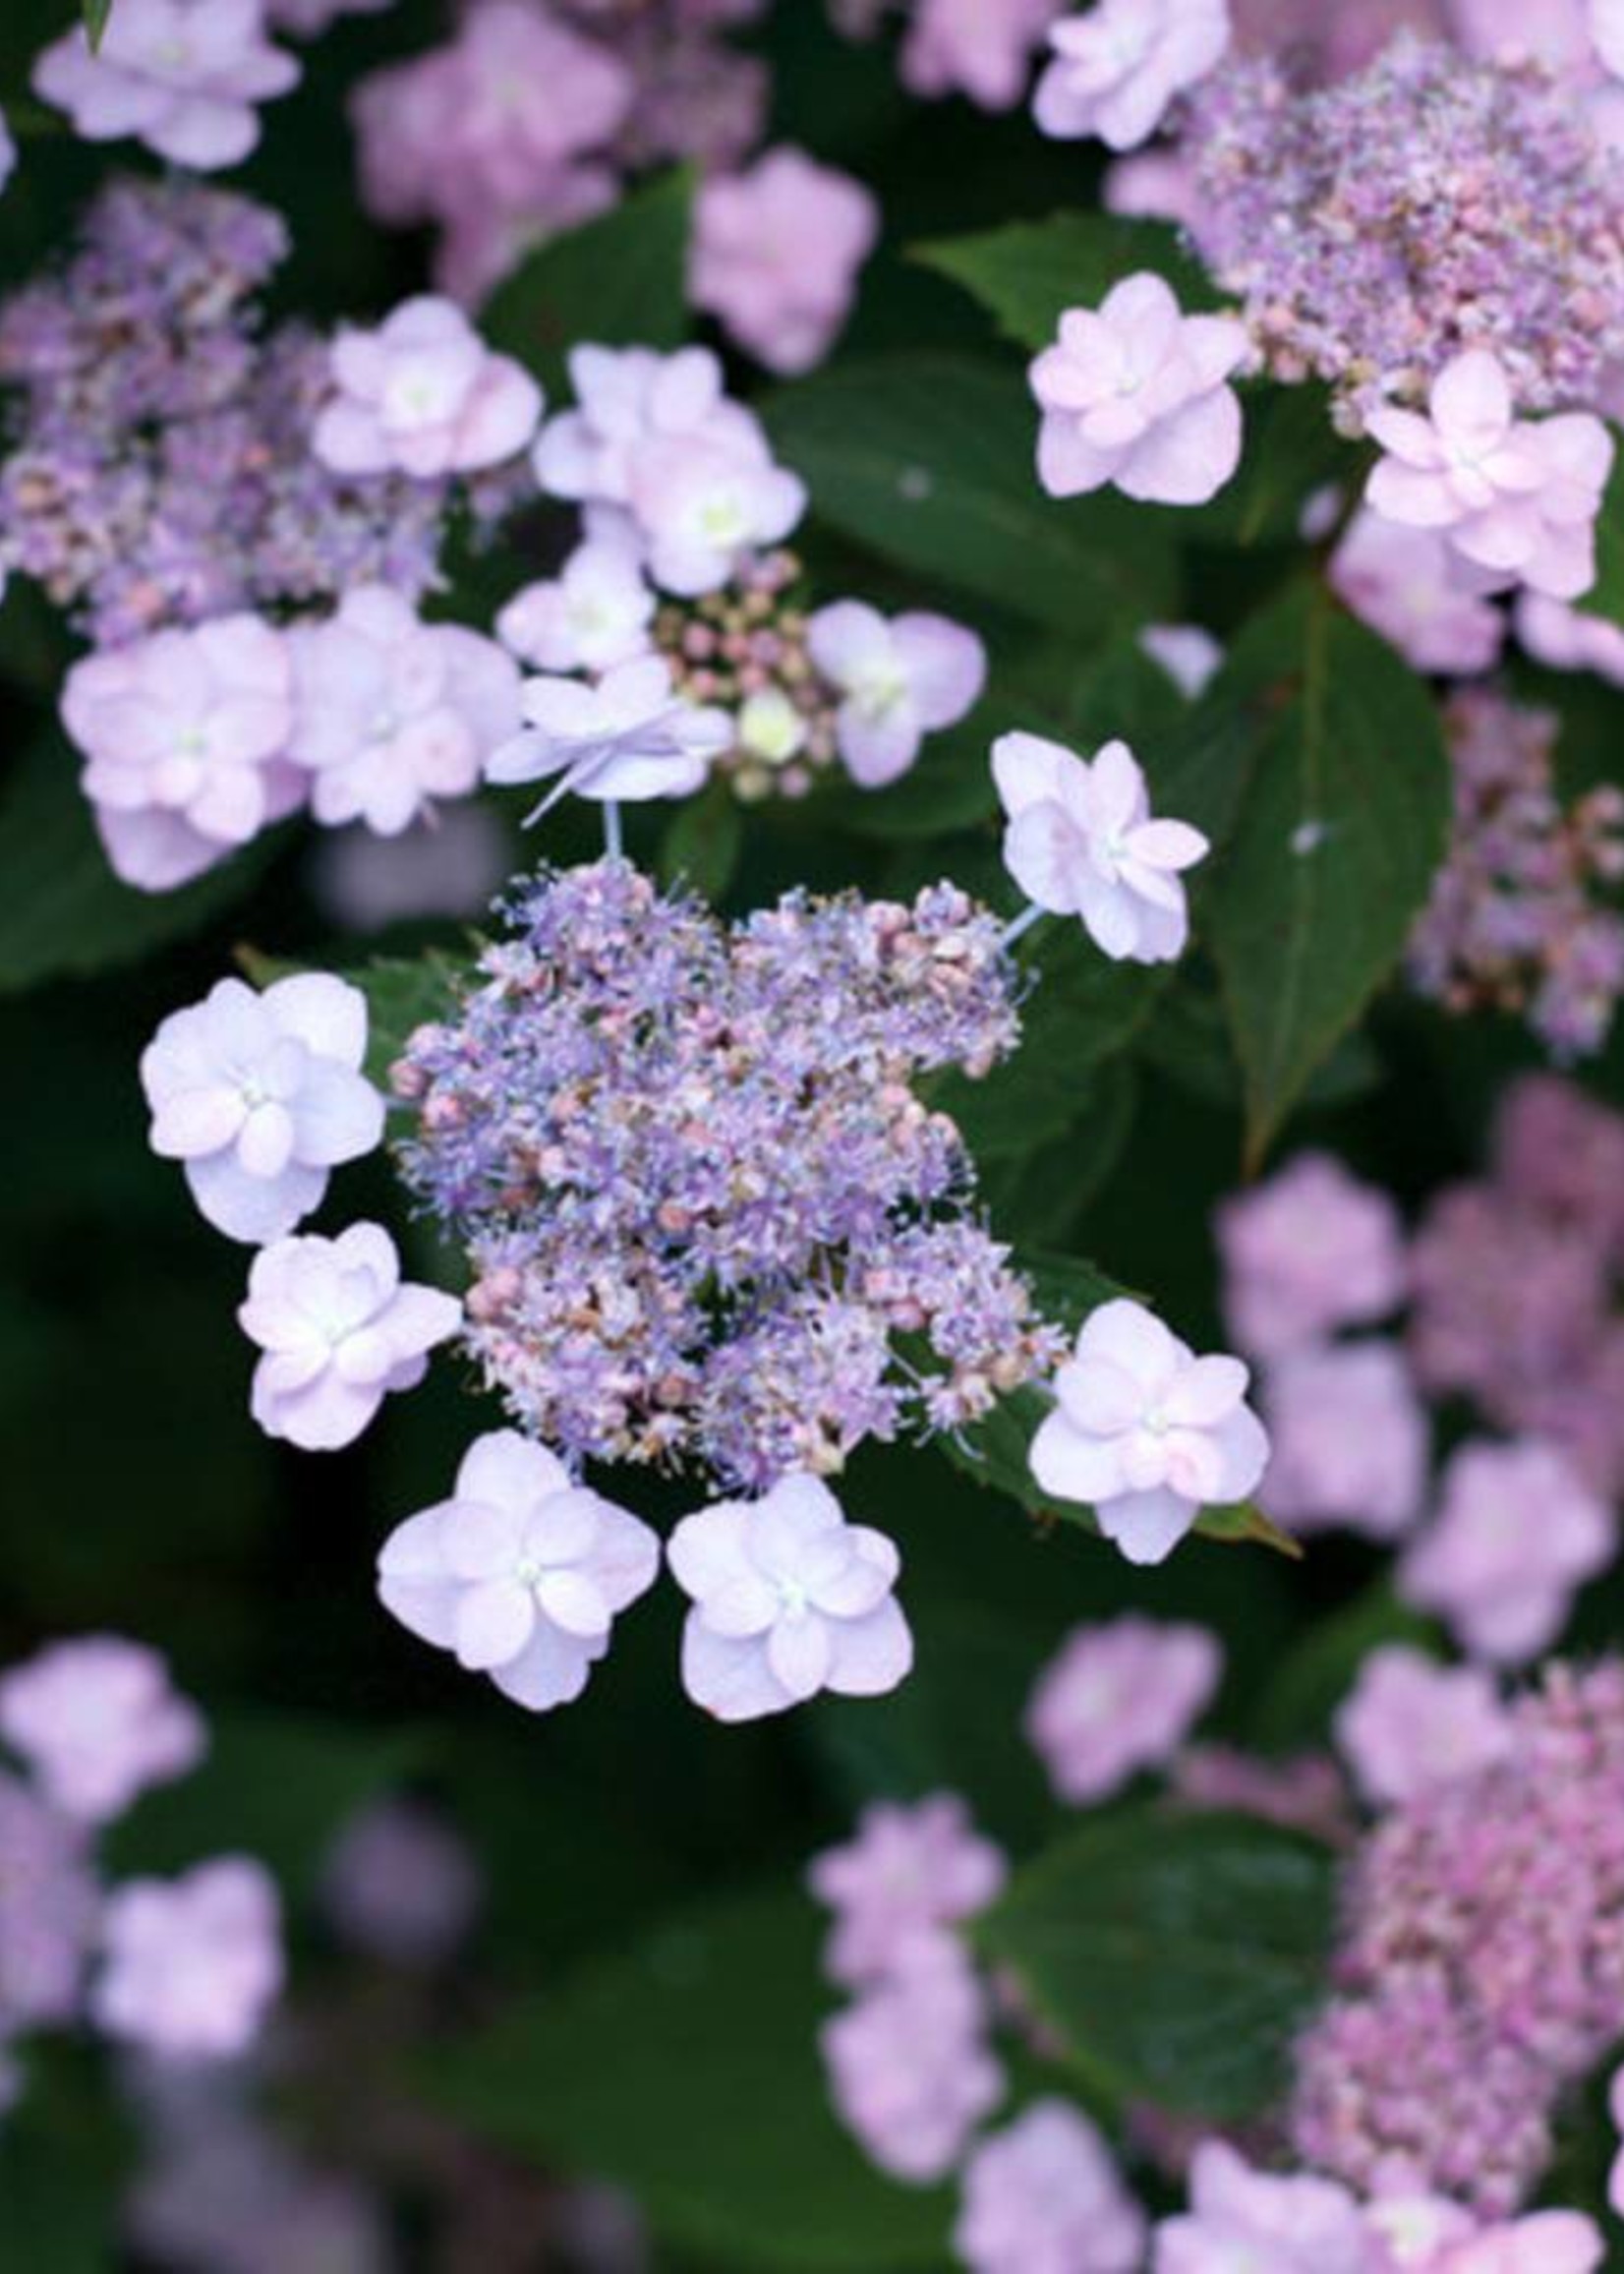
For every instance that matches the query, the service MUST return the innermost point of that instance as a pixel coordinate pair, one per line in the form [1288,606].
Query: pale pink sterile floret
[777,253]
[1555,32]
[701,508]
[1243,2219]
[184,734]
[1118,1699]
[627,399]
[261,1096]
[391,714]
[1430,2235]
[911,1866]
[1135,393]
[1186,652]
[1409,1724]
[1044,2196]
[1517,1534]
[1351,1439]
[1407,585]
[1147,1434]
[1566,639]
[182,76]
[788,1598]
[909,2067]
[1516,498]
[594,614]
[192,1966]
[899,678]
[1309,1251]
[979,49]
[1081,842]
[1606,20]
[423,396]
[521,1573]
[1118,69]
[630,738]
[340,1329]
[98,1721]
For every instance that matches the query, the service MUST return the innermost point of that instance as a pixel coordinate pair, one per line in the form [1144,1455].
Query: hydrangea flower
[1080,842]
[1566,639]
[594,614]
[911,1868]
[49,1910]
[98,1721]
[390,713]
[192,1966]
[630,738]
[788,1598]
[1043,2197]
[1350,1439]
[1515,496]
[1147,1432]
[1116,1699]
[261,1096]
[1133,393]
[181,74]
[703,507]
[423,396]
[1241,2217]
[1310,1250]
[896,682]
[629,399]
[340,1329]
[1408,585]
[184,735]
[776,255]
[1409,1724]
[1117,69]
[1186,652]
[448,863]
[520,1574]
[981,49]
[401,1885]
[909,2069]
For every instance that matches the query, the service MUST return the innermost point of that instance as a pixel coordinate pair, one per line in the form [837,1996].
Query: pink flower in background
[1081,842]
[1554,32]
[703,506]
[1565,639]
[340,1329]
[1240,2218]
[1153,185]
[401,1885]
[184,734]
[777,251]
[1429,2235]
[630,398]
[1147,1432]
[912,1867]
[1119,1699]
[183,76]
[788,1598]
[909,2069]
[1133,393]
[391,714]
[1043,2197]
[450,864]
[1409,586]
[1350,1439]
[594,614]
[1118,68]
[979,49]
[98,1721]
[1309,1251]
[1409,1724]
[423,394]
[1188,653]
[50,1905]
[897,681]
[1517,1534]
[630,738]
[261,1096]
[521,1573]
[192,1964]
[1515,496]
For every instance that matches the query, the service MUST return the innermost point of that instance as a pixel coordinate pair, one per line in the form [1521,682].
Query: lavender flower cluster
[710,1217]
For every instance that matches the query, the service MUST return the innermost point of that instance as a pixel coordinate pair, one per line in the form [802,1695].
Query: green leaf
[686,2070]
[1290,451]
[1029,273]
[1036,1197]
[1173,1956]
[701,848]
[1310,1681]
[63,913]
[617,281]
[928,460]
[63,2158]
[95,14]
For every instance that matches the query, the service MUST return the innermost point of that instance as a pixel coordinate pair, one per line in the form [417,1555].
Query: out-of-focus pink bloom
[1043,2197]
[909,2069]
[1116,70]
[400,1884]
[1135,393]
[1407,585]
[1350,1439]
[1239,2218]
[1309,1251]
[184,733]
[1152,185]
[340,1330]
[1186,652]
[1409,1724]
[391,714]
[49,1904]
[221,2192]
[183,76]
[450,864]
[1517,1534]
[1303,1791]
[521,1573]
[912,1867]
[1430,2235]
[979,49]
[777,251]
[1147,1432]
[1555,33]
[1115,1700]
[631,398]
[424,394]
[594,614]
[98,1721]
[192,1964]
[898,681]
[788,1598]
[1514,497]
[1565,639]
[1081,842]
[630,738]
